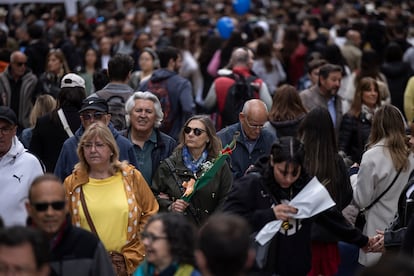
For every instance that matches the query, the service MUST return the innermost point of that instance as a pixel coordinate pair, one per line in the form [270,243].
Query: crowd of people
[146,138]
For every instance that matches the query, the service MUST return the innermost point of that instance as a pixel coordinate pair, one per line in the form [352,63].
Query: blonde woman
[387,158]
[43,105]
[110,198]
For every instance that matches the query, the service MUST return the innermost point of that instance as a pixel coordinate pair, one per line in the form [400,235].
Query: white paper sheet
[310,201]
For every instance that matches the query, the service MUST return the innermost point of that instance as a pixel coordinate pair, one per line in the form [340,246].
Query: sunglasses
[196,131]
[20,64]
[43,206]
[95,116]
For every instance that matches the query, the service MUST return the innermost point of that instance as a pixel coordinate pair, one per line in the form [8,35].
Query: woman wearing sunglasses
[197,149]
[110,198]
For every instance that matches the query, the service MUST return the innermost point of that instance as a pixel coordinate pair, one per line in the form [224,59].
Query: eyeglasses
[6,130]
[151,237]
[20,64]
[252,126]
[96,116]
[43,206]
[98,146]
[197,131]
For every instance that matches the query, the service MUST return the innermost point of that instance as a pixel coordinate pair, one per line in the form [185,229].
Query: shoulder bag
[360,219]
[117,259]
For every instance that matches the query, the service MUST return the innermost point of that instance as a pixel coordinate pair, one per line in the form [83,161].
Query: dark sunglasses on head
[196,131]
[43,206]
[96,115]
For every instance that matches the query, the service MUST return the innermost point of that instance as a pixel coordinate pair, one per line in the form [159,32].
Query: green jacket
[205,201]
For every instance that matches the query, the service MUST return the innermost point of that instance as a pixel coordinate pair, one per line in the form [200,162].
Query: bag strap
[190,207]
[64,122]
[86,212]
[383,193]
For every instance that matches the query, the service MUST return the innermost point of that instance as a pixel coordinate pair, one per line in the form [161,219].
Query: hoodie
[18,169]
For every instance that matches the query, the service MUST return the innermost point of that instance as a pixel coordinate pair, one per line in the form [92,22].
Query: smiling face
[143,115]
[49,220]
[157,248]
[370,96]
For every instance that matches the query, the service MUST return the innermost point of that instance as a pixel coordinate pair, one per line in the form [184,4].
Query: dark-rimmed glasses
[151,237]
[95,116]
[43,206]
[197,131]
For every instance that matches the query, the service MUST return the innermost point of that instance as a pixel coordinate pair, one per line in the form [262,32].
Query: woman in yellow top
[110,198]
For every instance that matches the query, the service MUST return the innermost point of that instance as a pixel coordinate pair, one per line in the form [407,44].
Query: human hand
[375,243]
[179,206]
[284,211]
[378,245]
[163,196]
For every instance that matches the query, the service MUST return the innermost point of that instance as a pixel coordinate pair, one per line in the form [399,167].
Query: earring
[112,153]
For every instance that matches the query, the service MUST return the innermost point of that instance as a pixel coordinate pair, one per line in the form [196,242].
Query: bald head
[240,56]
[354,37]
[16,55]
[253,117]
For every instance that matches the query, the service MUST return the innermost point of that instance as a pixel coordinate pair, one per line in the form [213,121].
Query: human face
[143,41]
[7,132]
[194,142]
[91,116]
[18,65]
[285,174]
[54,64]
[97,153]
[330,85]
[51,219]
[314,76]
[370,97]
[90,57]
[157,251]
[146,62]
[143,116]
[178,63]
[19,260]
[253,124]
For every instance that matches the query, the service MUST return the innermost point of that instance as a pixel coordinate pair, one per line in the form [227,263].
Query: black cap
[94,103]
[7,114]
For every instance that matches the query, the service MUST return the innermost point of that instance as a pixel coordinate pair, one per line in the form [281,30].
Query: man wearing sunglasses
[18,168]
[73,251]
[253,141]
[17,84]
[93,110]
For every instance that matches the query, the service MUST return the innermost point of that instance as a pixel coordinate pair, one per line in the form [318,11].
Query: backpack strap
[64,122]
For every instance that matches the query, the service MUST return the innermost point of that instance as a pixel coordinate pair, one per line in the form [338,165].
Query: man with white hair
[151,146]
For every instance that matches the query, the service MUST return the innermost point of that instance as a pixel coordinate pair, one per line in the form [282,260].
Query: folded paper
[313,199]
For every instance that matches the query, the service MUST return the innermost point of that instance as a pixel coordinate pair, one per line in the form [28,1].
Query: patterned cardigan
[141,206]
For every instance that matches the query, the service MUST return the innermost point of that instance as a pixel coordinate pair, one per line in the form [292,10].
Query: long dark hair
[317,133]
